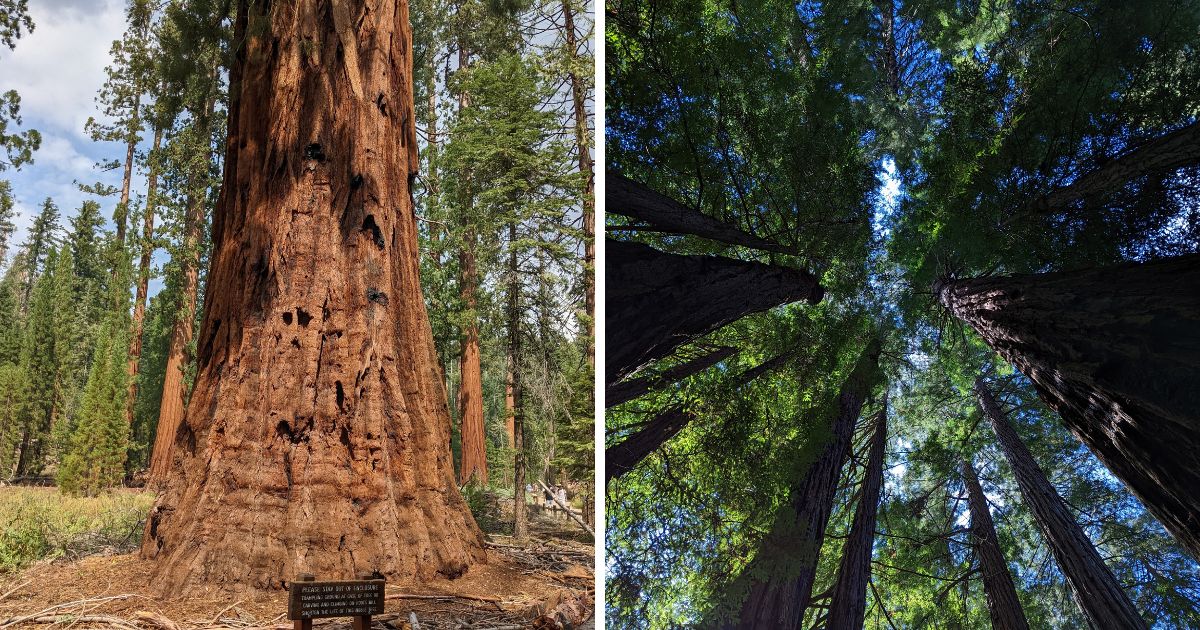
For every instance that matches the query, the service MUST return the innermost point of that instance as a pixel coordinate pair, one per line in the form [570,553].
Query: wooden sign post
[309,599]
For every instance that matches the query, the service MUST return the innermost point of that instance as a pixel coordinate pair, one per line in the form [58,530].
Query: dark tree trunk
[317,437]
[1163,154]
[780,578]
[621,458]
[520,518]
[1116,352]
[887,27]
[629,198]
[1003,606]
[626,391]
[658,301]
[584,155]
[848,607]
[1096,590]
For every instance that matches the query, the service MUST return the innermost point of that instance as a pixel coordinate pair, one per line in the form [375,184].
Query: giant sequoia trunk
[473,464]
[627,454]
[1003,606]
[627,390]
[143,281]
[171,405]
[1116,352]
[1163,154]
[780,578]
[1096,590]
[658,301]
[638,201]
[317,437]
[848,607]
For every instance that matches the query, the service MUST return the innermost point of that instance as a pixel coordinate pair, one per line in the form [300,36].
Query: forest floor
[538,584]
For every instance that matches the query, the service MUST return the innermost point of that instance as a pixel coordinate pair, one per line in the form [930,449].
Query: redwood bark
[848,607]
[658,301]
[788,556]
[143,281]
[1003,606]
[622,458]
[1165,153]
[1099,595]
[1116,352]
[638,201]
[585,166]
[317,437]
[628,390]
[172,405]
[473,465]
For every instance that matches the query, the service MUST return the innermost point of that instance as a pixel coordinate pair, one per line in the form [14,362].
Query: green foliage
[19,146]
[38,523]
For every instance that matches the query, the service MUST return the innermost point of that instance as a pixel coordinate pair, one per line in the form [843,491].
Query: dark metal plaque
[313,600]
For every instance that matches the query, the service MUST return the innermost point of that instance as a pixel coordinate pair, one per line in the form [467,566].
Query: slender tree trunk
[658,301]
[625,391]
[121,217]
[1116,352]
[1003,606]
[848,607]
[1163,154]
[638,201]
[470,391]
[624,456]
[435,180]
[1099,595]
[891,66]
[317,437]
[509,402]
[582,147]
[520,519]
[780,578]
[143,281]
[173,403]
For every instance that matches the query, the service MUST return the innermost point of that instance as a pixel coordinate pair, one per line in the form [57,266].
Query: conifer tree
[7,213]
[42,238]
[19,146]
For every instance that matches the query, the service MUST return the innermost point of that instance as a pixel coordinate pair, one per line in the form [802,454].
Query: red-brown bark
[1116,352]
[848,605]
[1096,590]
[1003,606]
[317,436]
[473,464]
[788,556]
[143,281]
[657,301]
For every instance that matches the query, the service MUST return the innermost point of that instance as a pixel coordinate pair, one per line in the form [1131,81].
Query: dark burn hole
[377,296]
[356,182]
[314,152]
[341,396]
[295,343]
[369,225]
[345,438]
[381,103]
[302,316]
[287,318]
[283,430]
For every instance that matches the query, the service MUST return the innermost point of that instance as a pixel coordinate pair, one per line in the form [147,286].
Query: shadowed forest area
[335,318]
[902,314]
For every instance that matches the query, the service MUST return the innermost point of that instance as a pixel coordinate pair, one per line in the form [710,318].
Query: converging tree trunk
[1099,595]
[1003,606]
[780,578]
[143,279]
[317,437]
[638,201]
[473,465]
[628,390]
[1116,352]
[658,301]
[627,454]
[1163,154]
[848,607]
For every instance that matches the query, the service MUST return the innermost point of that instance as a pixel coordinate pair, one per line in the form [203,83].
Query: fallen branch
[15,589]
[73,619]
[567,508]
[46,611]
[157,620]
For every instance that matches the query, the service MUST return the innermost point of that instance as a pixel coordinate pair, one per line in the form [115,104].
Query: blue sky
[57,70]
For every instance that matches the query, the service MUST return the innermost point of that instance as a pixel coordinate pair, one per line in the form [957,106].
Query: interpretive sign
[309,599]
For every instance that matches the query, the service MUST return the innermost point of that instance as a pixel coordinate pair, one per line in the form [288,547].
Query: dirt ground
[537,585]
